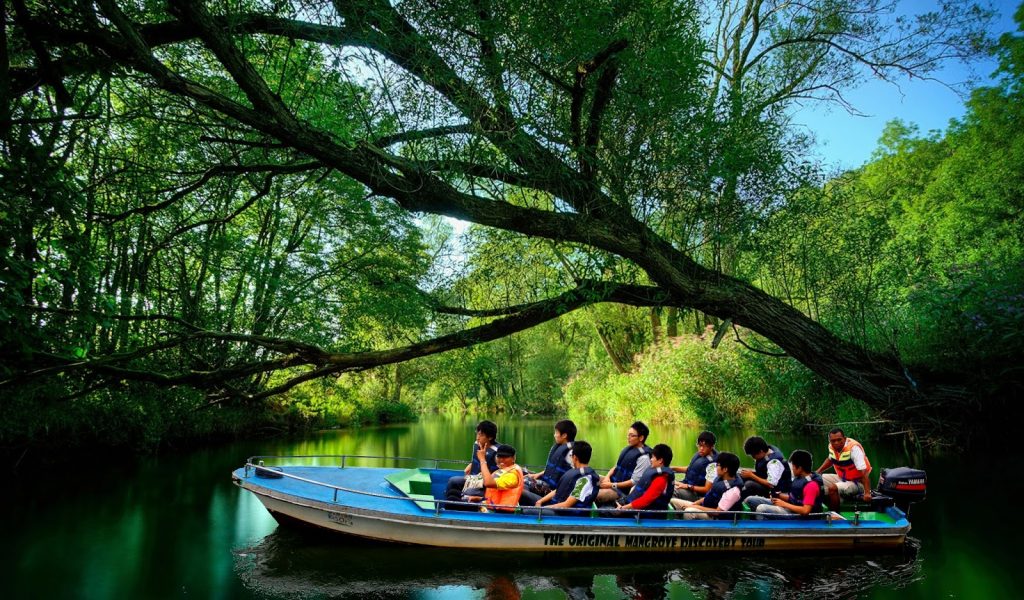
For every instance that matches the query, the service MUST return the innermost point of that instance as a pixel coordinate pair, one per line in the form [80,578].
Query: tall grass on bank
[685,381]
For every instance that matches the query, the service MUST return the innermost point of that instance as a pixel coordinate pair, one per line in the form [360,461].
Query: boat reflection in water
[302,563]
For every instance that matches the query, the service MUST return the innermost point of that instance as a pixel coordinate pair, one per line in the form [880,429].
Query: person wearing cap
[503,487]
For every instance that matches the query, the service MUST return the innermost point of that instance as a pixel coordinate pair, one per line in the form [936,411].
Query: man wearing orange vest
[502,488]
[851,479]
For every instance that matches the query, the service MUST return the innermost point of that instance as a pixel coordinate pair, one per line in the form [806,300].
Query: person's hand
[680,485]
[539,502]
[482,455]
[867,496]
[605,484]
[777,501]
[745,473]
[474,498]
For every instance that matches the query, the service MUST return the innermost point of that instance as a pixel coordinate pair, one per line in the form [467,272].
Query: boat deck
[371,490]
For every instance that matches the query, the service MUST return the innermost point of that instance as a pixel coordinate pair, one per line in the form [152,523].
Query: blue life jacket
[697,471]
[796,493]
[492,458]
[761,469]
[627,462]
[568,483]
[661,502]
[719,488]
[557,464]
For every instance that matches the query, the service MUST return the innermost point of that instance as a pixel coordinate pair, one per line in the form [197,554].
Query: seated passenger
[804,497]
[559,461]
[486,432]
[504,486]
[633,461]
[654,490]
[577,489]
[724,494]
[852,479]
[770,474]
[701,472]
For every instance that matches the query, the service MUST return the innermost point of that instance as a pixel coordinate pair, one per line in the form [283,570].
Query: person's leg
[685,494]
[679,504]
[691,514]
[771,511]
[753,488]
[850,490]
[454,489]
[529,498]
[755,501]
[607,496]
[831,490]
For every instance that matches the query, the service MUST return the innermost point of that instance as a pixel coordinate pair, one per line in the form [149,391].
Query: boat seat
[414,483]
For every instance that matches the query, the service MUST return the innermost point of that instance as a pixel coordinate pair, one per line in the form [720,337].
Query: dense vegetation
[218,217]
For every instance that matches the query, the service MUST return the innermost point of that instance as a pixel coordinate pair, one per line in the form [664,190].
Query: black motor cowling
[901,486]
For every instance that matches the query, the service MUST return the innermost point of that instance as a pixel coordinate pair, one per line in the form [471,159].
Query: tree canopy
[207,193]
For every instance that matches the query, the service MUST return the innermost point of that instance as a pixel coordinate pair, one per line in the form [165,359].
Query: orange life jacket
[507,497]
[843,461]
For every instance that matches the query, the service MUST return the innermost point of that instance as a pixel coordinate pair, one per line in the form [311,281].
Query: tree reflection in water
[299,564]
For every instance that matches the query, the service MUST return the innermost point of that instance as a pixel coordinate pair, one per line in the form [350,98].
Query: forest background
[166,270]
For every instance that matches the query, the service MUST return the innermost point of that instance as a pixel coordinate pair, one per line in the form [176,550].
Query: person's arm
[606,481]
[811,492]
[657,488]
[750,475]
[678,469]
[861,462]
[485,470]
[728,500]
[642,464]
[569,503]
[545,499]
[825,465]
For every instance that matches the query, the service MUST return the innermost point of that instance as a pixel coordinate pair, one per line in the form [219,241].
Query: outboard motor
[901,486]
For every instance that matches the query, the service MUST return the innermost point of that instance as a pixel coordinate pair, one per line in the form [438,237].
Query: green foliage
[688,382]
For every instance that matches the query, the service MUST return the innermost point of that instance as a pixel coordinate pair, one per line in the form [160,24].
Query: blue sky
[847,141]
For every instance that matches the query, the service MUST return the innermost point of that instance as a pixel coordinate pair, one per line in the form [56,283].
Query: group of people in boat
[644,478]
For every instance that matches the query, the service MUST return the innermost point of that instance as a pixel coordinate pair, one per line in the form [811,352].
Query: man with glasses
[701,472]
[633,461]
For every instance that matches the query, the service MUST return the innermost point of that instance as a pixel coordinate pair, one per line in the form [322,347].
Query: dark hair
[641,429]
[707,438]
[754,444]
[664,452]
[730,462]
[837,430]
[505,450]
[582,451]
[488,428]
[802,459]
[568,428]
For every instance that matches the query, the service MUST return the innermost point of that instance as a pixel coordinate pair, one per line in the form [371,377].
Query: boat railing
[636,514]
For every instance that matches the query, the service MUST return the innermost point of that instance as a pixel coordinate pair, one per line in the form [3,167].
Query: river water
[175,526]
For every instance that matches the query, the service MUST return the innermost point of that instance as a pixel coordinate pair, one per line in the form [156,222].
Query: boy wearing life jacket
[634,459]
[852,477]
[654,490]
[578,487]
[804,497]
[559,461]
[502,487]
[701,472]
[770,473]
[724,494]
[486,433]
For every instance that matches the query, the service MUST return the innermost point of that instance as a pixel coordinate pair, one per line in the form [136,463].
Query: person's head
[837,439]
[506,456]
[581,452]
[637,434]
[706,443]
[755,447]
[728,464]
[663,454]
[565,431]
[488,431]
[800,462]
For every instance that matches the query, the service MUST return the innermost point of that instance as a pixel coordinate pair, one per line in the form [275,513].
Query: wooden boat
[407,506]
